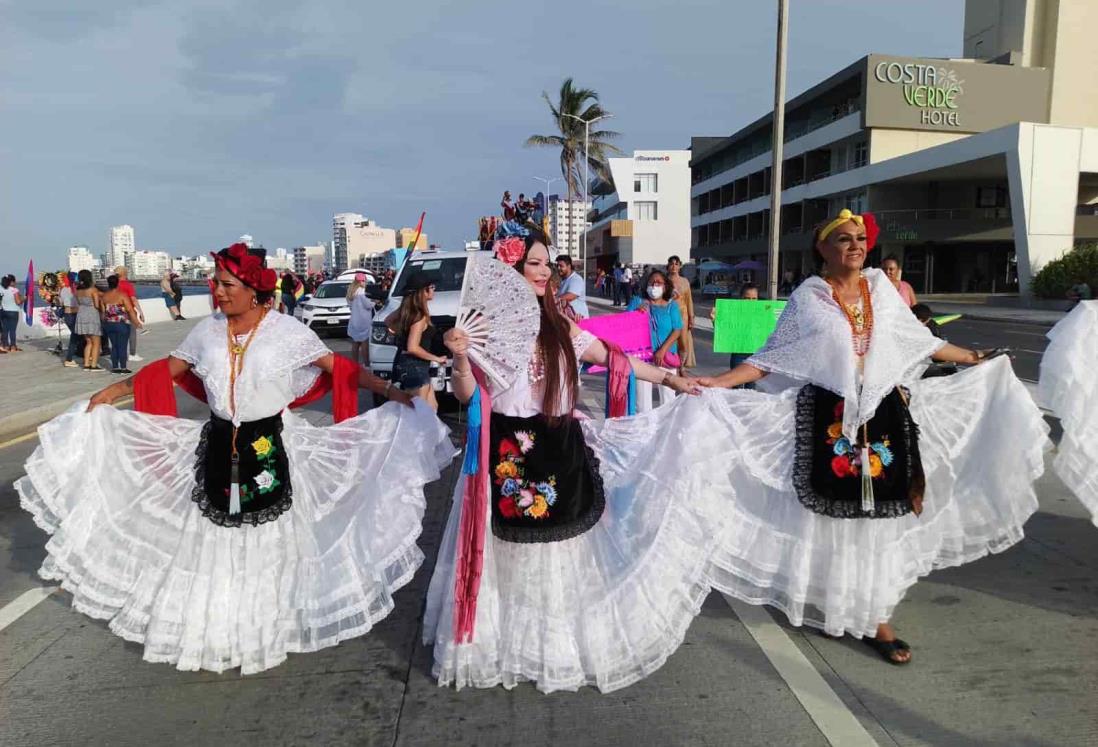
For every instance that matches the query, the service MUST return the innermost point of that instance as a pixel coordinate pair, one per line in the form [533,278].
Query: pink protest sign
[628,330]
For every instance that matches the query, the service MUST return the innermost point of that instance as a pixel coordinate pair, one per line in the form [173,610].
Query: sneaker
[70,364]
[125,371]
[136,358]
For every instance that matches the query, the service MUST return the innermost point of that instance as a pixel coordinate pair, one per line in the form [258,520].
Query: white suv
[448,269]
[326,308]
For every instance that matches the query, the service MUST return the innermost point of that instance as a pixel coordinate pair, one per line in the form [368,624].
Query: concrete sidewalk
[37,387]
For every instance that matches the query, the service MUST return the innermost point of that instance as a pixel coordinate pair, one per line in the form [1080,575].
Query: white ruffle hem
[1069,387]
[114,489]
[982,442]
[605,608]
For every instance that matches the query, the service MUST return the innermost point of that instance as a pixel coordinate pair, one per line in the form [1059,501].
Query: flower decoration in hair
[246,266]
[510,241]
[866,220]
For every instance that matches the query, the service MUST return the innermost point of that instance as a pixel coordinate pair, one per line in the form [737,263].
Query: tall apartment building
[355,236]
[643,217]
[567,222]
[82,259]
[121,249]
[405,237]
[980,169]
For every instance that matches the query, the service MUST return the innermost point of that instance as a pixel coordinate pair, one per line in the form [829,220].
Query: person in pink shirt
[891,268]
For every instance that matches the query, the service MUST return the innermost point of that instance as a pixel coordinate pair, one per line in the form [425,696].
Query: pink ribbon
[470,542]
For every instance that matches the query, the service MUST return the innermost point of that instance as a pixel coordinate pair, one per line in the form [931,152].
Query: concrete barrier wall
[154,309]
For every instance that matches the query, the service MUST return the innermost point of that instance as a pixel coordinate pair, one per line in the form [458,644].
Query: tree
[582,103]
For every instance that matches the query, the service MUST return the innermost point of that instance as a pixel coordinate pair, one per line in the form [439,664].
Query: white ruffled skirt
[608,607]
[982,442]
[1069,387]
[113,488]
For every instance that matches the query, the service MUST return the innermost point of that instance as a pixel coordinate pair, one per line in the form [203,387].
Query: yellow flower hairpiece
[844,216]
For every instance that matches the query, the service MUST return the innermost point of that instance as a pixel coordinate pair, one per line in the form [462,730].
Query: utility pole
[776,151]
[586,179]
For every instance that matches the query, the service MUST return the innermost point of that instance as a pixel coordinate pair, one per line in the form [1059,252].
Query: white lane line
[835,721]
[23,604]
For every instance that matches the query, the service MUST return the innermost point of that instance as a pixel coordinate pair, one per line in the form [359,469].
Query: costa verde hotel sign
[933,90]
[951,95]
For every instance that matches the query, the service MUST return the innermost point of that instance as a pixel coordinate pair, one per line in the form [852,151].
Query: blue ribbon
[472,435]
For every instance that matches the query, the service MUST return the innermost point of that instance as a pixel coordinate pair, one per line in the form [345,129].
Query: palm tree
[582,103]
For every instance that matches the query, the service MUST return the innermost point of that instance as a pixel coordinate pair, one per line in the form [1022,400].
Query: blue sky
[196,122]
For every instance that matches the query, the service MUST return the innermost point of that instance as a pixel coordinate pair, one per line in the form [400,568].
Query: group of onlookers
[95,316]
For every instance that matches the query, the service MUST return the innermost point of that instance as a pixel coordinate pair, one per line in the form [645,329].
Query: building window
[645,183]
[859,155]
[644,211]
[857,202]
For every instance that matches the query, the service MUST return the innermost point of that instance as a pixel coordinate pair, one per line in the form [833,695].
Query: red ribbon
[469,563]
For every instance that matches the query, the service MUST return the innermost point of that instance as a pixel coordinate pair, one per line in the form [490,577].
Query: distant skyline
[197,122]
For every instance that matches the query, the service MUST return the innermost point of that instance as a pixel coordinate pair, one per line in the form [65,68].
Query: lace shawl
[282,347]
[812,344]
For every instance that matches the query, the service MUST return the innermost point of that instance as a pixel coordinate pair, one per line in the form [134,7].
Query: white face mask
[655,292]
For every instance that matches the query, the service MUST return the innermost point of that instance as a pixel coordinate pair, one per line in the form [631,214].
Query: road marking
[124,402]
[24,603]
[835,721]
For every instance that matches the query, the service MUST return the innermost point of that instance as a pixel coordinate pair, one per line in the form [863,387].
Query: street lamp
[586,180]
[548,180]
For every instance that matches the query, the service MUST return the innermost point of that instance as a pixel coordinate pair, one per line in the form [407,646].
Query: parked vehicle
[448,268]
[326,308]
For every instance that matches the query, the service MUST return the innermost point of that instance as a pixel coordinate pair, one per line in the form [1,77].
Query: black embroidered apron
[546,485]
[827,467]
[264,471]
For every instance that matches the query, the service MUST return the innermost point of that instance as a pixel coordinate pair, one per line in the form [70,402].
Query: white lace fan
[500,313]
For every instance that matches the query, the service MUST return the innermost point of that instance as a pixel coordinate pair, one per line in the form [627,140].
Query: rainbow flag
[28,294]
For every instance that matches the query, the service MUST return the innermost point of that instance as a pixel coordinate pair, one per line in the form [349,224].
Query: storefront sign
[934,90]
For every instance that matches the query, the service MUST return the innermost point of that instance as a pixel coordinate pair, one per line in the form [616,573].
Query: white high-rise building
[82,259]
[356,238]
[567,222]
[148,265]
[247,239]
[122,247]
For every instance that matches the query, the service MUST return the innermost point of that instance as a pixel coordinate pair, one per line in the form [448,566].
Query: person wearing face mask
[236,541]
[666,326]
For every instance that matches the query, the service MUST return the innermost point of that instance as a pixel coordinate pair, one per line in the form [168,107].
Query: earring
[255,302]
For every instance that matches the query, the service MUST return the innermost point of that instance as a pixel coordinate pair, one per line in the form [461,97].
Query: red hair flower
[872,230]
[509,250]
[246,266]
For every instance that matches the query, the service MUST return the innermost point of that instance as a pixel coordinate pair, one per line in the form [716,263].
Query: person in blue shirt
[571,287]
[665,324]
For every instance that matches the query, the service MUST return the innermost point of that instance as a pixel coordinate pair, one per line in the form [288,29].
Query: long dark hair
[84,280]
[555,346]
[413,307]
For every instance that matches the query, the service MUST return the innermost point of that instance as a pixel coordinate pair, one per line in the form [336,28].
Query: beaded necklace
[236,365]
[860,319]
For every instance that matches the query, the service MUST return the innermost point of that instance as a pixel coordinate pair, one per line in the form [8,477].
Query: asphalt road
[1004,655]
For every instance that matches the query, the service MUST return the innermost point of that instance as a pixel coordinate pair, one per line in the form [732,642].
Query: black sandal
[887,648]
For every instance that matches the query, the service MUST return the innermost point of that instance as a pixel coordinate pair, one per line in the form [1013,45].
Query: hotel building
[979,169]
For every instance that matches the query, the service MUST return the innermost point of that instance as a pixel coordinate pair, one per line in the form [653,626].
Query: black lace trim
[804,451]
[223,518]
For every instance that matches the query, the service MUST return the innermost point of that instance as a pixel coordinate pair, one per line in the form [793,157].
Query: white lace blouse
[276,369]
[523,398]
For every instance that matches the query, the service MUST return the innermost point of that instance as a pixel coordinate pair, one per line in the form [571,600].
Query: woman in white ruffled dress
[951,460]
[232,543]
[582,580]
[1069,387]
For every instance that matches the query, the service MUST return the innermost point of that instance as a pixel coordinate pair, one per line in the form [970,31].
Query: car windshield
[447,273]
[332,290]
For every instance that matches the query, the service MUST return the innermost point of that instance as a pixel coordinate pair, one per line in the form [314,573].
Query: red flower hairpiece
[872,230]
[246,266]
[509,250]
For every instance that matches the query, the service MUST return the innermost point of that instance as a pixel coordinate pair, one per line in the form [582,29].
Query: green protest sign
[743,326]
